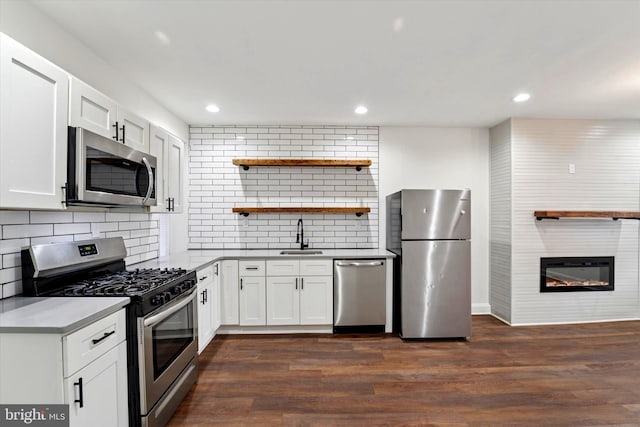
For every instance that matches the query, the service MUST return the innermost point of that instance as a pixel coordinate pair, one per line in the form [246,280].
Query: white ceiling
[432,63]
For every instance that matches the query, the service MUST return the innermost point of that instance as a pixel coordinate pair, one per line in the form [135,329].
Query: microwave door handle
[150,189]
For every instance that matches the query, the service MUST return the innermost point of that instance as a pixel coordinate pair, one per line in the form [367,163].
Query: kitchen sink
[300,252]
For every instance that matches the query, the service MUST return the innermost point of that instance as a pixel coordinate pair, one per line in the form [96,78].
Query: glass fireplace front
[571,274]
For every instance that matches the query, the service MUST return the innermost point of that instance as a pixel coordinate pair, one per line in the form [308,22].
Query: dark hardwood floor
[568,375]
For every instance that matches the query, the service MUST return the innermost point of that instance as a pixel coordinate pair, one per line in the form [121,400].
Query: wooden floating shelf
[358,211]
[615,215]
[246,163]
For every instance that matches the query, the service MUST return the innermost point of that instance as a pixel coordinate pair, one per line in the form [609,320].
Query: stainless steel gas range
[161,318]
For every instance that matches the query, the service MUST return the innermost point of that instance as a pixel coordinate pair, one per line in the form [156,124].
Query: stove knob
[167,296]
[157,300]
[177,289]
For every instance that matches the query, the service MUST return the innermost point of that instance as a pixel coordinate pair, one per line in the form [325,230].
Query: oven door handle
[157,318]
[150,189]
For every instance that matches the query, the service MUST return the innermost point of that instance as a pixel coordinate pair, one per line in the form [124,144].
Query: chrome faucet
[300,235]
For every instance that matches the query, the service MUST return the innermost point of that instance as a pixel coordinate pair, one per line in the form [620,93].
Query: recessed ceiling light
[361,109]
[213,108]
[521,97]
[163,38]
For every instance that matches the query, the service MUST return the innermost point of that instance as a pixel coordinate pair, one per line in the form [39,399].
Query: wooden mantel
[328,210]
[615,215]
[357,163]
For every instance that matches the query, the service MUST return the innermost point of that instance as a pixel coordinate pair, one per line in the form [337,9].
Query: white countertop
[56,314]
[197,258]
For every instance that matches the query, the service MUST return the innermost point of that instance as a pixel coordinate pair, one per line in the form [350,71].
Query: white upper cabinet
[158,146]
[169,150]
[174,172]
[134,130]
[94,111]
[34,95]
[91,110]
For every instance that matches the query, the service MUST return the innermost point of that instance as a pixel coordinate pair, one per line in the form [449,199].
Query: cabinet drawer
[205,274]
[251,267]
[316,267]
[283,267]
[87,344]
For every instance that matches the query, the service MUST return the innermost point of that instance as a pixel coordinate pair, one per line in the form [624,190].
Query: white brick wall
[216,186]
[23,228]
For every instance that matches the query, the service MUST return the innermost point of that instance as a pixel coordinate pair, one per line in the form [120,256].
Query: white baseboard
[576,322]
[480,308]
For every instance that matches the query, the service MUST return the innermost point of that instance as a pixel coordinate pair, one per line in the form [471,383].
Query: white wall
[607,177]
[421,157]
[26,24]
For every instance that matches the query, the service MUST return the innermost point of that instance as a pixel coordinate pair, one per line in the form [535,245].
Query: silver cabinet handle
[359,264]
[150,173]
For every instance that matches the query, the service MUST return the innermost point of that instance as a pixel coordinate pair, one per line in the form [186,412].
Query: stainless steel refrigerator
[430,231]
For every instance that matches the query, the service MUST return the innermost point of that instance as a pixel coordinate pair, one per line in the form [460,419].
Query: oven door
[167,343]
[110,173]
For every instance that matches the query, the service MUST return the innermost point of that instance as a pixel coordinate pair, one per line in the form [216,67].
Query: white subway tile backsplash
[214,190]
[17,231]
[42,217]
[14,217]
[20,229]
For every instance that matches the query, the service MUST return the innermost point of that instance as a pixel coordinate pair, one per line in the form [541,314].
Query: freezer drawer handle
[360,264]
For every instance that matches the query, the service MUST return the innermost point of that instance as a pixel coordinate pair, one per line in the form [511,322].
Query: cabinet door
[253,301]
[229,292]
[158,146]
[104,391]
[205,331]
[216,319]
[134,130]
[92,110]
[174,172]
[283,301]
[316,300]
[34,100]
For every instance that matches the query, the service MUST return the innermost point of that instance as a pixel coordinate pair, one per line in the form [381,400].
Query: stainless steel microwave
[104,172]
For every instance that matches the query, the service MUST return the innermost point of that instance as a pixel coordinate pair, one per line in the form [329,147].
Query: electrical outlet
[572,168]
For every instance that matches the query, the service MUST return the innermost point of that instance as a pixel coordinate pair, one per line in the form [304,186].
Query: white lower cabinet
[252,301]
[229,307]
[205,307]
[97,393]
[316,300]
[283,301]
[86,369]
[305,297]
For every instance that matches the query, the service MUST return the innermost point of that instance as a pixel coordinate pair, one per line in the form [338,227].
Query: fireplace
[574,274]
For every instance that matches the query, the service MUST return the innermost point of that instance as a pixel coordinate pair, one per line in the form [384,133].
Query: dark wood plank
[360,163]
[561,375]
[321,210]
[587,214]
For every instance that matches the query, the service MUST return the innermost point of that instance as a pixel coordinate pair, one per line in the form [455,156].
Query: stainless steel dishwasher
[359,295]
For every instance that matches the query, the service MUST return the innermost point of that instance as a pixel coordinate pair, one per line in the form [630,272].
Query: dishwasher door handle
[359,264]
